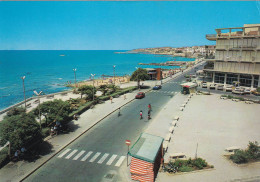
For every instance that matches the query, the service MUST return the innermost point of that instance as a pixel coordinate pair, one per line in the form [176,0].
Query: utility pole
[38,94]
[75,76]
[24,92]
[114,74]
[93,85]
[196,151]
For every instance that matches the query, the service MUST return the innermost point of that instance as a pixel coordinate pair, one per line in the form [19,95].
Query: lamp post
[74,69]
[93,75]
[138,85]
[38,94]
[24,92]
[114,73]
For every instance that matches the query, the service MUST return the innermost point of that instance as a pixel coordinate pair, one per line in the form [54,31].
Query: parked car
[220,86]
[212,86]
[157,87]
[204,85]
[238,90]
[247,91]
[228,88]
[140,95]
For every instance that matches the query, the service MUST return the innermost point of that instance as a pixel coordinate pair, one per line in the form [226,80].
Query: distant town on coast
[204,51]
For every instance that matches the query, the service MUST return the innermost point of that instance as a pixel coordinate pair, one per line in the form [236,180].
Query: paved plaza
[214,124]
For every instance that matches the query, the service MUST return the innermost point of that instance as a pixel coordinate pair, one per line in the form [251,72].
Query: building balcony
[232,35]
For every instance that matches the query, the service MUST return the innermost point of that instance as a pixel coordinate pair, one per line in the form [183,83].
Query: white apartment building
[237,56]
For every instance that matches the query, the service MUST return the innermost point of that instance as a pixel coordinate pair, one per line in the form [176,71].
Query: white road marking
[109,162]
[71,154]
[95,157]
[63,153]
[79,154]
[86,156]
[103,158]
[119,162]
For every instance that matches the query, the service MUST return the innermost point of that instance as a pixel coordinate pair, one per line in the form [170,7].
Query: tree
[139,74]
[103,89]
[15,111]
[56,110]
[20,130]
[112,88]
[87,90]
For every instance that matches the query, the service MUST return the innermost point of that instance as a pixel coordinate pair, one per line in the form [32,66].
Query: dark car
[140,95]
[157,87]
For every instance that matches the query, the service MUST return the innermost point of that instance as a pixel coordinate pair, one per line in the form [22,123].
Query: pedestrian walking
[111,99]
[119,114]
[141,114]
[124,96]
[149,107]
[149,114]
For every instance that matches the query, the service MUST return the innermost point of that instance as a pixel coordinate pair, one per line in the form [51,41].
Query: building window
[245,80]
[219,77]
[231,78]
[256,80]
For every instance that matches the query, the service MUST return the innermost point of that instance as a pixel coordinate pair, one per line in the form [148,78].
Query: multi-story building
[237,56]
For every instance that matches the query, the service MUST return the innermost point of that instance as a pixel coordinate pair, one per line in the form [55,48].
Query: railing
[211,36]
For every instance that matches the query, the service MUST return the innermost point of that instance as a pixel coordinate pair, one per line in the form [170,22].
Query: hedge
[87,105]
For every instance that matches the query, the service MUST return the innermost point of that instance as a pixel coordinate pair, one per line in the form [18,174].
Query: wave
[5,95]
[2,88]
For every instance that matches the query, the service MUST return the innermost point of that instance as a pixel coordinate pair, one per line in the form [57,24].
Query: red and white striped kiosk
[147,153]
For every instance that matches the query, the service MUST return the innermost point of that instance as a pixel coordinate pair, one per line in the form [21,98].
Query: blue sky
[117,25]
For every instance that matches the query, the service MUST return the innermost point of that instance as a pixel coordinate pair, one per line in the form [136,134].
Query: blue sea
[49,71]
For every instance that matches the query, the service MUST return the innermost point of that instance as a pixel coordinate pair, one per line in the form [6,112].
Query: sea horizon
[50,70]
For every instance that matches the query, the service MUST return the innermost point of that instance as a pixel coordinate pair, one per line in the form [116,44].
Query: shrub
[199,163]
[229,96]
[253,151]
[258,89]
[185,169]
[180,163]
[239,157]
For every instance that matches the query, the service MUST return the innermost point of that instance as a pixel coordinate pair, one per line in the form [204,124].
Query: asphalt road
[100,154]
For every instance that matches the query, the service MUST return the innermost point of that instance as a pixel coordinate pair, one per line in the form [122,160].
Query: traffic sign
[128,142]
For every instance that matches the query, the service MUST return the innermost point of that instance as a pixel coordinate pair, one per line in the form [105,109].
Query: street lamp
[24,92]
[138,84]
[114,73]
[38,94]
[93,75]
[75,76]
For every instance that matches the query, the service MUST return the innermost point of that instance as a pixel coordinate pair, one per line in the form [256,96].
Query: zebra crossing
[166,92]
[92,157]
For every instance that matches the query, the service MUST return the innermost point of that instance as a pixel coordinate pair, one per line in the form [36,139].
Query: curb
[30,173]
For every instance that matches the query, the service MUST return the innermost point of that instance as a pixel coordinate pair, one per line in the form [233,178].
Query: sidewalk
[19,170]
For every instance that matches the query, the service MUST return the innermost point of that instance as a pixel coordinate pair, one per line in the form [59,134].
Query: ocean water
[48,71]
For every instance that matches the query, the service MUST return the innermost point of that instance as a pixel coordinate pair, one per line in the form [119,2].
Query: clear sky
[117,25]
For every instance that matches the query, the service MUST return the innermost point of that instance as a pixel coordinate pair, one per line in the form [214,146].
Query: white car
[238,90]
[204,85]
[247,91]
[228,88]
[212,86]
[220,86]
